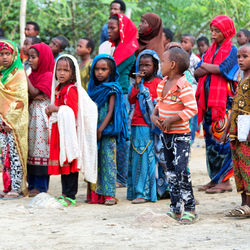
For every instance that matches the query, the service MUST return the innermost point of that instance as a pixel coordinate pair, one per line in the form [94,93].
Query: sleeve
[133,95]
[71,100]
[190,105]
[104,33]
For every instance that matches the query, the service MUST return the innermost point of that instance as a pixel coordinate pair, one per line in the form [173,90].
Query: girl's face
[113,30]
[244,58]
[102,71]
[143,26]
[241,38]
[146,65]
[216,35]
[5,58]
[63,72]
[33,59]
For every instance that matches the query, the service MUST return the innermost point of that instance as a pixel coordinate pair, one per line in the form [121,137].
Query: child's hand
[138,78]
[156,121]
[167,123]
[99,134]
[50,109]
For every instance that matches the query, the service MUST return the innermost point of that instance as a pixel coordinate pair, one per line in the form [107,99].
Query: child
[42,63]
[243,37]
[58,45]
[168,37]
[175,106]
[13,121]
[85,48]
[105,90]
[141,172]
[241,149]
[203,45]
[71,149]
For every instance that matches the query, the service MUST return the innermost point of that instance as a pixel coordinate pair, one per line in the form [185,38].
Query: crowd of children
[134,107]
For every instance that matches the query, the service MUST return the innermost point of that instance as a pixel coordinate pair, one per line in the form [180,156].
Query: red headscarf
[154,39]
[41,78]
[217,98]
[128,41]
[4,45]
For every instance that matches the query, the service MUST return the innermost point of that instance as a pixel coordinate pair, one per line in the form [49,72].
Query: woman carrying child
[39,85]
[105,90]
[73,135]
[141,173]
[13,121]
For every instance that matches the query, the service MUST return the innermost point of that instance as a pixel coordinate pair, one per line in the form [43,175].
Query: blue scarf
[100,94]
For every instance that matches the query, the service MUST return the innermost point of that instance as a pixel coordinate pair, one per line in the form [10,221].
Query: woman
[13,121]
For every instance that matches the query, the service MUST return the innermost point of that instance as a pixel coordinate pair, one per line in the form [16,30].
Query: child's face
[30,30]
[5,58]
[202,47]
[186,43]
[102,71]
[33,59]
[244,58]
[216,35]
[143,26]
[82,48]
[146,66]
[113,30]
[165,64]
[241,38]
[55,46]
[26,45]
[63,71]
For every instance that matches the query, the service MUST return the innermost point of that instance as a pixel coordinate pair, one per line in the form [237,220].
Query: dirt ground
[125,226]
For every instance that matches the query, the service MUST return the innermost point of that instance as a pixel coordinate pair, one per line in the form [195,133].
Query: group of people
[128,116]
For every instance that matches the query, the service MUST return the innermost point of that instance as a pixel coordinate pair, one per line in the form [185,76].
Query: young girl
[39,85]
[141,174]
[13,121]
[73,134]
[106,92]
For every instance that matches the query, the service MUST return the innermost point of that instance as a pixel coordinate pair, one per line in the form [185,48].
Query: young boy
[243,37]
[31,29]
[58,45]
[85,48]
[203,45]
[175,106]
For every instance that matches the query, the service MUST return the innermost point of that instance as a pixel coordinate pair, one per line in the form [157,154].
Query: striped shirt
[180,101]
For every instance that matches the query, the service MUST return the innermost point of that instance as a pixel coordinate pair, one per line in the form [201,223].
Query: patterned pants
[176,151]
[12,165]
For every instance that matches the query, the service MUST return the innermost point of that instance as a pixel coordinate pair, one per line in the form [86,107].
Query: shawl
[217,99]
[41,78]
[14,105]
[86,126]
[154,39]
[100,94]
[128,39]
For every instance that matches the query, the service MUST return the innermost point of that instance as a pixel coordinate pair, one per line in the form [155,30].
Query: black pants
[70,185]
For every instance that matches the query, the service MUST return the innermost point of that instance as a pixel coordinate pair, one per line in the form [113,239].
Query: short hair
[181,57]
[112,67]
[115,17]
[246,33]
[71,65]
[122,4]
[203,39]
[168,34]
[34,39]
[155,62]
[90,44]
[36,26]
[192,38]
[63,40]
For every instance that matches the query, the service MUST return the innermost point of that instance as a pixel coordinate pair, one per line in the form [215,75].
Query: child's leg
[70,185]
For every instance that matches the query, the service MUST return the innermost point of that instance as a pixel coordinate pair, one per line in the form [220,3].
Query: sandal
[63,201]
[242,211]
[188,218]
[173,215]
[110,201]
[139,201]
[207,186]
[12,196]
[61,197]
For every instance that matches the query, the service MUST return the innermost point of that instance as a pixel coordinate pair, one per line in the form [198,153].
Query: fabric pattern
[85,74]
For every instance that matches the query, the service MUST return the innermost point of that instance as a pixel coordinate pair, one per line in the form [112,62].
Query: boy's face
[30,30]
[186,43]
[244,58]
[26,45]
[202,47]
[146,66]
[216,35]
[241,38]
[165,64]
[82,48]
[55,46]
[115,8]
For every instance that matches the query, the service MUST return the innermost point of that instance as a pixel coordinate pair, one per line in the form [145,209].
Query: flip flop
[188,218]
[173,215]
[242,211]
[217,190]
[12,196]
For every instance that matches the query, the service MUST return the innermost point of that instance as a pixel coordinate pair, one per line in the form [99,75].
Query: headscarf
[86,126]
[217,99]
[41,78]
[101,93]
[14,104]
[128,39]
[154,39]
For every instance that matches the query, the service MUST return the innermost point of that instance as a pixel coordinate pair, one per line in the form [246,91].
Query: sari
[14,113]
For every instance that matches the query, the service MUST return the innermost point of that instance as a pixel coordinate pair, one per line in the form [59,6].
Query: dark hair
[203,39]
[112,67]
[246,33]
[191,37]
[122,4]
[71,65]
[168,34]
[90,44]
[63,40]
[155,62]
[34,39]
[181,57]
[36,26]
[115,17]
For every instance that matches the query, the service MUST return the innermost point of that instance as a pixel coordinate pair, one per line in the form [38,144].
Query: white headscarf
[86,126]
